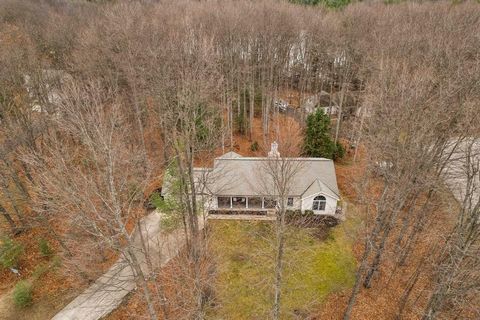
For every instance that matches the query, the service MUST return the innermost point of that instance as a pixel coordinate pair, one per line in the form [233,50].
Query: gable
[318,187]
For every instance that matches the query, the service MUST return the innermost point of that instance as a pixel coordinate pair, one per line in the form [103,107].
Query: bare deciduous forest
[101,101]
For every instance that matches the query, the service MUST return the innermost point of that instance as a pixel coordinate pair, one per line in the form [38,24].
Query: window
[223,202]
[269,203]
[239,202]
[255,203]
[319,203]
[290,202]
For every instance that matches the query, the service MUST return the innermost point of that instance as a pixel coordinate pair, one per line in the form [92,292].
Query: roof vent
[273,153]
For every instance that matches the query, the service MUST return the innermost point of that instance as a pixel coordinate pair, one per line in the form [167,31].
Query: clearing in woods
[318,261]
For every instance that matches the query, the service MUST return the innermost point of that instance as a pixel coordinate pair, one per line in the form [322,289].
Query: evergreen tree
[318,142]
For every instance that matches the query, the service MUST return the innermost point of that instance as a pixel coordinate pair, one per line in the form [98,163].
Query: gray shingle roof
[318,186]
[246,176]
[230,155]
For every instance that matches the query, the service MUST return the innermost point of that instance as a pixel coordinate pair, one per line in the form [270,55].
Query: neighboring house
[363,112]
[281,105]
[320,100]
[237,183]
[46,84]
[331,110]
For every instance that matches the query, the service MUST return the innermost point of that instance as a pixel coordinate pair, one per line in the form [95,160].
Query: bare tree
[279,174]
[90,178]
[184,95]
[456,280]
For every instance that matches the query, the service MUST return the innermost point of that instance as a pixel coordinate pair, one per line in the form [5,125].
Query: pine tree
[318,142]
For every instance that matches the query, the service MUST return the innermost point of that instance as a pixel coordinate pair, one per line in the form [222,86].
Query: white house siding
[209,202]
[330,207]
[297,204]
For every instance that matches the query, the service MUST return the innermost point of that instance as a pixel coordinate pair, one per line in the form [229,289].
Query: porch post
[231,203]
[247,202]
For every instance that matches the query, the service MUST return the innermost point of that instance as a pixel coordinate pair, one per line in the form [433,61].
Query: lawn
[316,264]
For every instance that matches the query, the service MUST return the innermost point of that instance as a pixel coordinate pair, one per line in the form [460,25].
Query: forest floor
[53,289]
[55,286]
[48,295]
[382,299]
[110,289]
[52,286]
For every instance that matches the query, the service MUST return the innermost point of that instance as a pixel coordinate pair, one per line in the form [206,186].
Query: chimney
[273,153]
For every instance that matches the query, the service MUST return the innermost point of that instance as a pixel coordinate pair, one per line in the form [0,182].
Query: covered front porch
[245,203]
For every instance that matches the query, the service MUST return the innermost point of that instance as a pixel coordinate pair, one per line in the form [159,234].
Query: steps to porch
[264,215]
[241,217]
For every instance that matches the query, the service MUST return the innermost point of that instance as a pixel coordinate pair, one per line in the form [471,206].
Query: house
[281,105]
[46,83]
[321,100]
[237,183]
[330,110]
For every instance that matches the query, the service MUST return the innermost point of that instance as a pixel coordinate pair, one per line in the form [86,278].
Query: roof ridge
[328,187]
[266,158]
[308,187]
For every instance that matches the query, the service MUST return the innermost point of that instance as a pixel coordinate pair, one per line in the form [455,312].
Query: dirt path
[108,292]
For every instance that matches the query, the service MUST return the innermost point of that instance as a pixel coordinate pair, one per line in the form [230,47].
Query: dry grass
[244,255]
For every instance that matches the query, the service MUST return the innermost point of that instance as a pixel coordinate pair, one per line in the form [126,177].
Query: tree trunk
[408,289]
[13,227]
[135,264]
[187,182]
[54,234]
[386,228]
[252,106]
[13,204]
[364,262]
[358,281]
[279,264]
[340,109]
[360,131]
[16,179]
[138,117]
[244,115]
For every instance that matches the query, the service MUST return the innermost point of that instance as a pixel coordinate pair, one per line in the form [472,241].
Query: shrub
[170,208]
[309,212]
[10,252]
[22,294]
[170,222]
[56,262]
[293,213]
[254,146]
[156,199]
[40,270]
[44,248]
